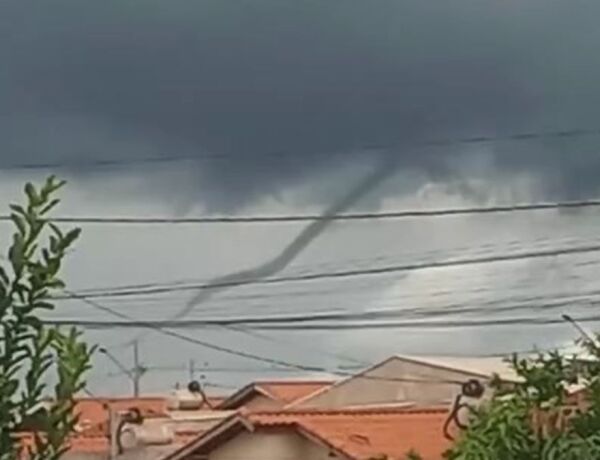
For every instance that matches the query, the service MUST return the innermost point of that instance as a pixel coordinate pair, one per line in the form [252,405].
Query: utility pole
[138,371]
[135,374]
[192,368]
[113,423]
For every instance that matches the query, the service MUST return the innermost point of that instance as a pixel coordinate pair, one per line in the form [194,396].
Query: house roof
[285,391]
[355,434]
[364,434]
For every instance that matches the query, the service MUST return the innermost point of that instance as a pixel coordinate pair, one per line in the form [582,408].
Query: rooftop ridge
[120,398]
[293,381]
[347,411]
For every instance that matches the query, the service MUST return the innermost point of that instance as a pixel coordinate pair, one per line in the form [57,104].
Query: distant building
[409,381]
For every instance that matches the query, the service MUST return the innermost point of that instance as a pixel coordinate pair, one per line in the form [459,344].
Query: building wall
[271,445]
[367,389]
[143,453]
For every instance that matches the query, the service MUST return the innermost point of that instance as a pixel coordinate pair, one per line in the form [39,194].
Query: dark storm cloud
[246,78]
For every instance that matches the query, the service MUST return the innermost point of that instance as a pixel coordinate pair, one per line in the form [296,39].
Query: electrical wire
[356,272]
[472,140]
[528,321]
[528,207]
[296,344]
[252,356]
[302,269]
[343,322]
[348,291]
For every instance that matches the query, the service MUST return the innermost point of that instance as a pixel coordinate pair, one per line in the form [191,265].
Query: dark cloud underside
[129,79]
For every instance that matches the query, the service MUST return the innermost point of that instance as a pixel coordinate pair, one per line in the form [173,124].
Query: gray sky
[282,107]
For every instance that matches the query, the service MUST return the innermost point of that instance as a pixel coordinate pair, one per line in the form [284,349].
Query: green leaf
[43,306]
[10,387]
[16,255]
[54,245]
[18,209]
[46,209]
[56,230]
[30,350]
[70,238]
[33,321]
[56,284]
[20,223]
[4,276]
[52,185]
[34,198]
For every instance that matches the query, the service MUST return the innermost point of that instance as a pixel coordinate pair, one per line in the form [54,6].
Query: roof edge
[220,428]
[242,394]
[448,367]
[355,410]
[339,383]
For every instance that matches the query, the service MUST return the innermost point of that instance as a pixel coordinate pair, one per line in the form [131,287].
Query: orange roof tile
[357,434]
[85,444]
[362,434]
[88,444]
[92,435]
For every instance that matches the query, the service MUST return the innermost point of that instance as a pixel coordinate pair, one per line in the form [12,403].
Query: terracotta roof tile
[362,434]
[87,444]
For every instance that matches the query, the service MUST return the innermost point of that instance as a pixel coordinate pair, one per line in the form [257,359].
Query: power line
[289,364]
[354,272]
[252,356]
[280,341]
[184,338]
[94,163]
[226,370]
[258,321]
[471,140]
[347,319]
[274,326]
[362,286]
[306,321]
[528,207]
[300,269]
[527,321]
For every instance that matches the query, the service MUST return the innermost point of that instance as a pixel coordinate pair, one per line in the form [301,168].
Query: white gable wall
[271,444]
[377,386]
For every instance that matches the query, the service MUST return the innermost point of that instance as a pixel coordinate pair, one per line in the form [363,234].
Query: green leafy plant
[32,353]
[528,421]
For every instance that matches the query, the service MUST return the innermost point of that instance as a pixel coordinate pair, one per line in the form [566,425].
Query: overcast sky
[283,107]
